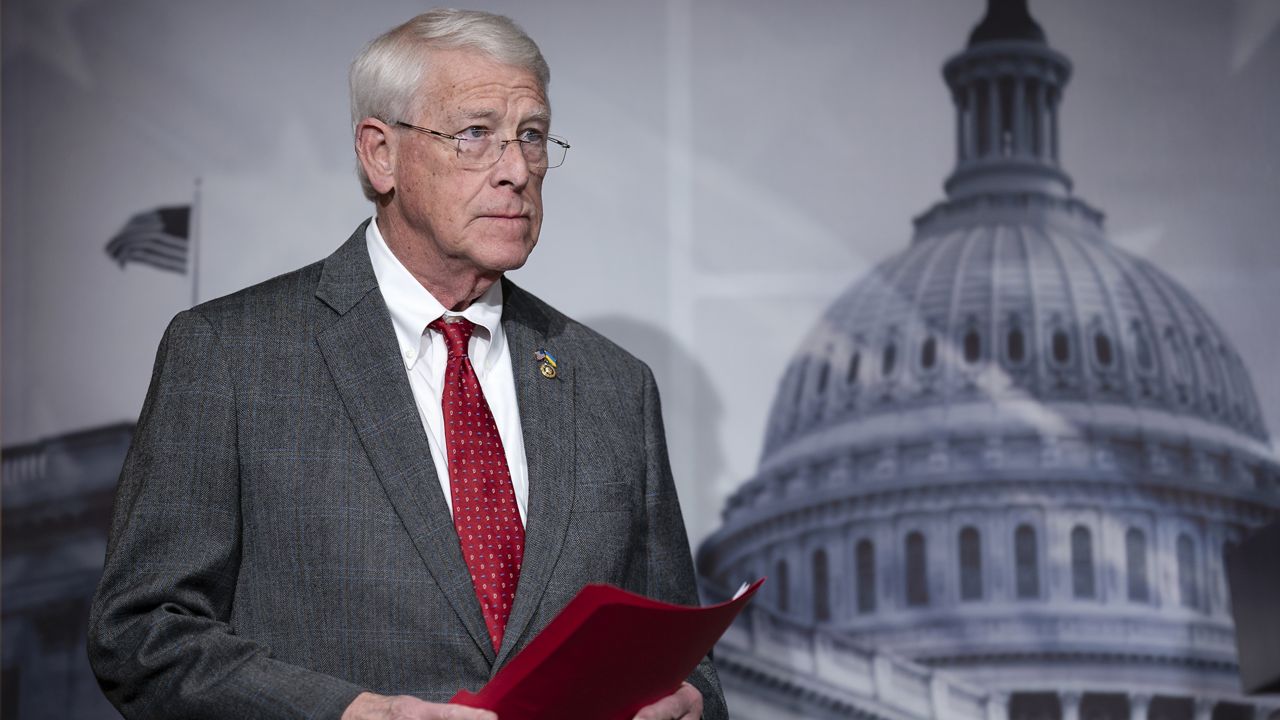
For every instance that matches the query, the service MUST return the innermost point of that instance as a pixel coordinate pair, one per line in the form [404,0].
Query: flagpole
[194,230]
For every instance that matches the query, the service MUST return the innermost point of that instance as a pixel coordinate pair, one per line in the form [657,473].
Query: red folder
[606,655]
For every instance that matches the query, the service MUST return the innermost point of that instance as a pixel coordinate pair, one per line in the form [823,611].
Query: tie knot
[456,331]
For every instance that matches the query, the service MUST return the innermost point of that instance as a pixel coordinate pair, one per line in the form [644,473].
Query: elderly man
[359,487]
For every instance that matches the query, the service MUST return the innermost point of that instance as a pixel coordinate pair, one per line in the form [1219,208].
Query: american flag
[159,238]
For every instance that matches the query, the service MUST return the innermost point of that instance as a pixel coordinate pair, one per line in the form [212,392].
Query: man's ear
[376,154]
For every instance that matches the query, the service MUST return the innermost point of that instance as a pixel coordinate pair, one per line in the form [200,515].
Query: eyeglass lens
[482,152]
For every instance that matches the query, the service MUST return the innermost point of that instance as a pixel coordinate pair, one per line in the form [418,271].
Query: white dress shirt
[424,354]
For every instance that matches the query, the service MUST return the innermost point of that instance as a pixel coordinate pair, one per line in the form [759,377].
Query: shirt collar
[412,307]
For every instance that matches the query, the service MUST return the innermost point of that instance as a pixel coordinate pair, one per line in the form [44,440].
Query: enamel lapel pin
[548,364]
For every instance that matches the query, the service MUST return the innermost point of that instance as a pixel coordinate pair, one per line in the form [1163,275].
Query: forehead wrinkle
[542,115]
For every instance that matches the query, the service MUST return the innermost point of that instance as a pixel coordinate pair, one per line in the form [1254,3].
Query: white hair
[387,75]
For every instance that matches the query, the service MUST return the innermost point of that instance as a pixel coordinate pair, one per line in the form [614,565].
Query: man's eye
[533,136]
[474,133]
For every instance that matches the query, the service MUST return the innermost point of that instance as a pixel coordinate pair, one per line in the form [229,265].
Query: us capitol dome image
[999,476]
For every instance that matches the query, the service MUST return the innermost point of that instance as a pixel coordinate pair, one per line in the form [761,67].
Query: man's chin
[503,254]
[501,262]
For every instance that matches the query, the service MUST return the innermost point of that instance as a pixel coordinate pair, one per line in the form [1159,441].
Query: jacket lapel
[363,357]
[547,421]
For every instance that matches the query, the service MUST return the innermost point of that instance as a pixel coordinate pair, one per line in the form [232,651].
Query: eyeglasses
[479,148]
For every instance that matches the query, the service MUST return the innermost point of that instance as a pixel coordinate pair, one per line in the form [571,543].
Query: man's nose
[511,168]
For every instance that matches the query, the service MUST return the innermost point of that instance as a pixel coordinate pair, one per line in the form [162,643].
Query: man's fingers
[369,706]
[683,704]
[693,710]
[462,712]
[432,711]
[668,708]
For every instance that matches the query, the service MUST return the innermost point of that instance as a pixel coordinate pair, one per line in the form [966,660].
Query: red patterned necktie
[484,503]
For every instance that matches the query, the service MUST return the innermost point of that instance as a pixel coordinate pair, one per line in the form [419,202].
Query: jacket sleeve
[160,640]
[670,572]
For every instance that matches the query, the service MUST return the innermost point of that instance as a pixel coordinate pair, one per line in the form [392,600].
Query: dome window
[970,564]
[795,378]
[1027,563]
[1246,399]
[1082,573]
[821,587]
[1141,347]
[1024,705]
[1016,346]
[1259,478]
[1108,705]
[1135,547]
[1229,546]
[865,560]
[1060,347]
[889,361]
[917,588]
[1102,349]
[1188,577]
[972,346]
[929,353]
[1213,378]
[824,370]
[1181,371]
[851,375]
[1233,389]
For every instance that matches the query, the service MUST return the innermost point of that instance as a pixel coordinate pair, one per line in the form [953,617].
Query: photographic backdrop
[736,166]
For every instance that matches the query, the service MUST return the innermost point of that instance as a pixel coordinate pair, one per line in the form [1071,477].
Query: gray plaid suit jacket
[279,540]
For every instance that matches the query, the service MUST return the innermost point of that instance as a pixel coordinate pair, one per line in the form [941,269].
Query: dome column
[1138,706]
[833,546]
[1057,546]
[1053,127]
[1216,575]
[1019,116]
[993,117]
[1042,120]
[844,604]
[971,122]
[997,706]
[887,591]
[1070,700]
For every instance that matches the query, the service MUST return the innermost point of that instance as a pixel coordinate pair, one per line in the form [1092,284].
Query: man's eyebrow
[542,116]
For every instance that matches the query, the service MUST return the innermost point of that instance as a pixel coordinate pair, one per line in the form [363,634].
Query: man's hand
[368,706]
[683,704]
